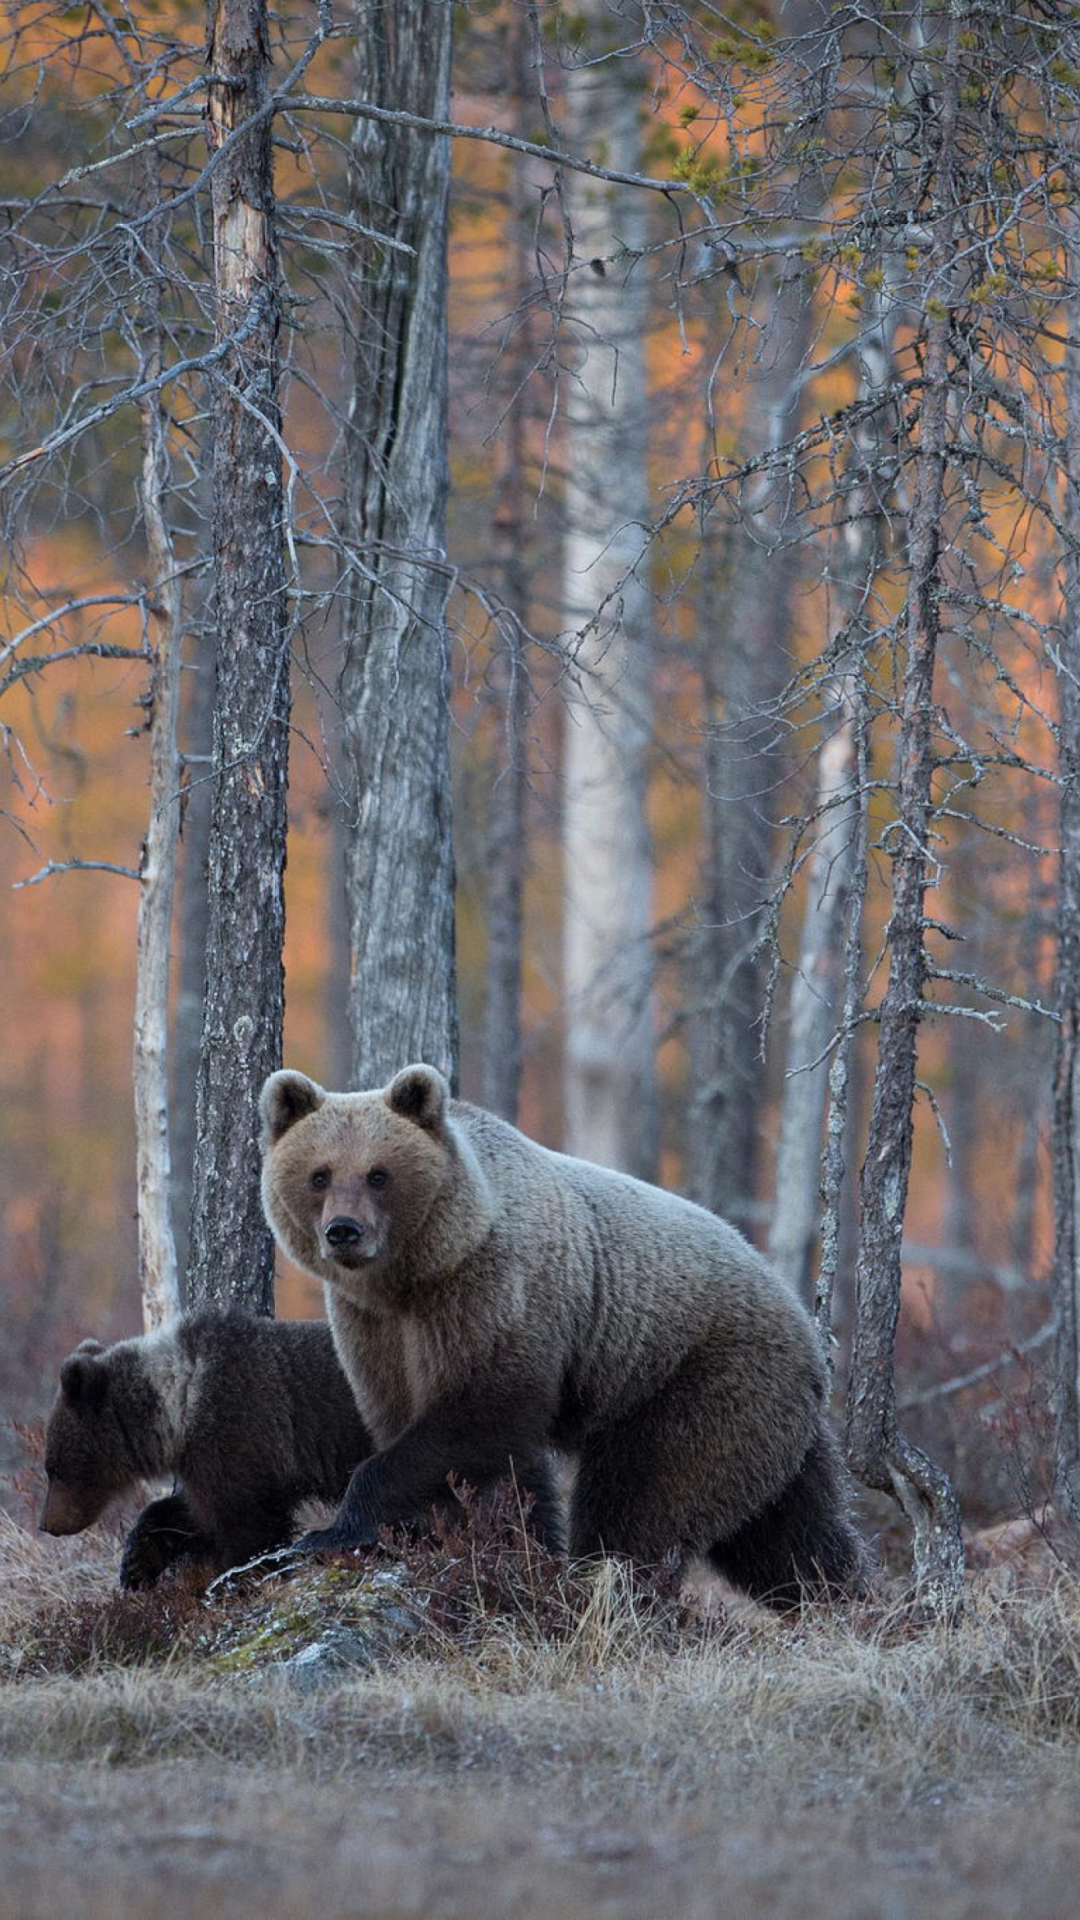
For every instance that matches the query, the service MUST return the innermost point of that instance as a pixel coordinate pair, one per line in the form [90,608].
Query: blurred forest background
[758,582]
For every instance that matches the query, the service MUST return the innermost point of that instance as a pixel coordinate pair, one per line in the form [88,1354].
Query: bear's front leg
[472,1443]
[164,1533]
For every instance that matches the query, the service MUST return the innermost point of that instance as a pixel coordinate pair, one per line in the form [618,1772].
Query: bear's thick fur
[490,1298]
[253,1416]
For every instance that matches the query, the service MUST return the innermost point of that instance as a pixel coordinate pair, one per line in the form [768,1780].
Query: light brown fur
[499,1297]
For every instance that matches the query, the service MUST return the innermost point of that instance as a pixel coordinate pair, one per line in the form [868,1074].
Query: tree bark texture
[231,1247]
[609,1072]
[191,930]
[158,1277]
[507,850]
[816,988]
[1066,1108]
[1032,1092]
[878,1452]
[507,826]
[394,683]
[839,1109]
[197,738]
[746,663]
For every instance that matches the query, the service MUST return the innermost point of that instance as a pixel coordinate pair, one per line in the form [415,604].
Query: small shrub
[123,1629]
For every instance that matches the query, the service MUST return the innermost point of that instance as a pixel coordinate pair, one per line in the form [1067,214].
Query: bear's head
[86,1457]
[354,1182]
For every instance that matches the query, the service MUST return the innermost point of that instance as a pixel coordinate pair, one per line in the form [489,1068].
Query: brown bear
[491,1299]
[253,1416]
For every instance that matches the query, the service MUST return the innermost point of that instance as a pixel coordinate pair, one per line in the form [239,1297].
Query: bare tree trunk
[1066,1113]
[747,660]
[506,839]
[232,1258]
[1032,1089]
[970,1097]
[879,1453]
[192,919]
[394,684]
[814,998]
[508,675]
[337,1024]
[839,1113]
[609,1075]
[816,987]
[159,1283]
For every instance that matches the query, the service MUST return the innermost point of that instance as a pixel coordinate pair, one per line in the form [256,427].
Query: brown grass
[545,1745]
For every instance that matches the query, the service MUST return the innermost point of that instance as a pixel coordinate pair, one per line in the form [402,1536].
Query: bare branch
[76,866]
[943,1388]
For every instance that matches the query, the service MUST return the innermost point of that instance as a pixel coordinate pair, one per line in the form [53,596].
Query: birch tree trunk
[159,1282]
[232,1260]
[609,1074]
[878,1451]
[816,986]
[839,1118]
[191,928]
[394,683]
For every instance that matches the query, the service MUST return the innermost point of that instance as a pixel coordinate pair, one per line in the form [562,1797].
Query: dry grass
[544,1746]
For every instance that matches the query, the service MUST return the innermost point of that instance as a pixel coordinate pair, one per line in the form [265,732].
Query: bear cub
[252,1416]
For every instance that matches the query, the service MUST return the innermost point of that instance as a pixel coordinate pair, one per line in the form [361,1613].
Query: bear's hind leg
[650,1484]
[802,1546]
[694,1462]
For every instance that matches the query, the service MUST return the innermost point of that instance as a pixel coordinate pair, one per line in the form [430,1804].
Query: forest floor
[526,1743]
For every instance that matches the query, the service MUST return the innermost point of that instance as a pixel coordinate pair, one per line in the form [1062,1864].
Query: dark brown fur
[253,1416]
[491,1299]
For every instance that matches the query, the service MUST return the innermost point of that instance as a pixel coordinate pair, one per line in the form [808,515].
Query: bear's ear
[84,1378]
[285,1099]
[419,1094]
[89,1346]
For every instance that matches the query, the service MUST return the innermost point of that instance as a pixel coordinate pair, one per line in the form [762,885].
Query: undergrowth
[508,1662]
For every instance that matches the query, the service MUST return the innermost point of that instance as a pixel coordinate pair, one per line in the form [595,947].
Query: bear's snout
[344,1232]
[62,1512]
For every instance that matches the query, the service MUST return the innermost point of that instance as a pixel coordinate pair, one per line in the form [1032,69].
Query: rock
[327,1660]
[318,1625]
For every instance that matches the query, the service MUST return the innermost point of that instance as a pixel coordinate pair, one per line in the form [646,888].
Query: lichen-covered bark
[231,1248]
[879,1453]
[394,684]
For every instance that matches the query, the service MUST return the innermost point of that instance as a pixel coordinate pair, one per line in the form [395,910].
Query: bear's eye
[320,1180]
[378,1177]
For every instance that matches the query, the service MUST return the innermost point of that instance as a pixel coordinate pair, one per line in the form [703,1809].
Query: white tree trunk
[817,984]
[158,1276]
[197,730]
[610,1082]
[157,1249]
